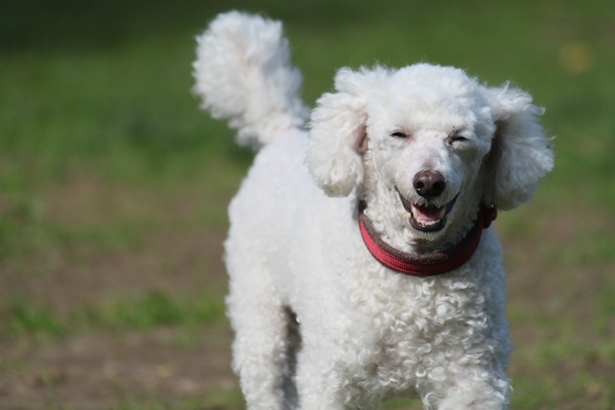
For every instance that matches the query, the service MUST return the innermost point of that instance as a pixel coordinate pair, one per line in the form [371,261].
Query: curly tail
[243,72]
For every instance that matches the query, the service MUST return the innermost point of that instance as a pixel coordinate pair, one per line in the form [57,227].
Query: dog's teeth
[415,213]
[419,217]
[426,220]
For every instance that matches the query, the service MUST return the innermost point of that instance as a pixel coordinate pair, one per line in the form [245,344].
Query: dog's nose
[429,184]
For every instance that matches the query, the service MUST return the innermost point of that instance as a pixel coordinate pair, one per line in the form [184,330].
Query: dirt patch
[110,240]
[175,252]
[99,371]
[561,321]
[554,271]
[186,263]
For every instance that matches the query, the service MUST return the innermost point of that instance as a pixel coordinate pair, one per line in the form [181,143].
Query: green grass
[153,309]
[103,147]
[157,308]
[22,317]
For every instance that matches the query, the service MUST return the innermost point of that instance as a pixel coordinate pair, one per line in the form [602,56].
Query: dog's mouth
[427,218]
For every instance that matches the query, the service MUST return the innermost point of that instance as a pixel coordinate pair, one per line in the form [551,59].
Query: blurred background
[114,187]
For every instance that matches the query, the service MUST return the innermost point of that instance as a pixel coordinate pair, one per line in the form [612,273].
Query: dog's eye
[456,138]
[398,134]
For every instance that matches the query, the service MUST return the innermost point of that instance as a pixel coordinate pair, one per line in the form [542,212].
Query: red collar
[425,264]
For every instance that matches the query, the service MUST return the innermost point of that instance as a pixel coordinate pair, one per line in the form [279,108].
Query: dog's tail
[243,72]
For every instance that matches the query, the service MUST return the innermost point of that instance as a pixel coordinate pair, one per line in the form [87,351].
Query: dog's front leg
[324,382]
[468,400]
[474,390]
[317,387]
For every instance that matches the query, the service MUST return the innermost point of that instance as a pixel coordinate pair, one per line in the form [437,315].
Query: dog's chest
[409,328]
[397,306]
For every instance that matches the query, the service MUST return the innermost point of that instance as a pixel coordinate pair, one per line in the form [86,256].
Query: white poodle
[361,261]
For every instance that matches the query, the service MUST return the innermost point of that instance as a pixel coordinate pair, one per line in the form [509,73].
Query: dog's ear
[521,154]
[338,132]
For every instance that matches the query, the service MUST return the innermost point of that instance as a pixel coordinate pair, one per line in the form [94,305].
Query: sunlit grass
[136,313]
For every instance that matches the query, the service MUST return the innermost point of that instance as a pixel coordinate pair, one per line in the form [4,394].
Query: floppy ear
[521,153]
[338,131]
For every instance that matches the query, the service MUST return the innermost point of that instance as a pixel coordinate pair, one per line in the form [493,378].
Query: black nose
[429,184]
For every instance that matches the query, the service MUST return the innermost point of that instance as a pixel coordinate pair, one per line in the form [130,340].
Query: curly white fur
[319,323]
[243,72]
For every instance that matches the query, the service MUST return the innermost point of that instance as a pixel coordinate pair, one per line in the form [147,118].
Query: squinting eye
[456,138]
[398,134]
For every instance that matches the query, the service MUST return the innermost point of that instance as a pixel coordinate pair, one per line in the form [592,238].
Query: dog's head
[428,142]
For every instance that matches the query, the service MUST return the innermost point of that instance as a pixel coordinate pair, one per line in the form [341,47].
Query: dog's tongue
[427,213]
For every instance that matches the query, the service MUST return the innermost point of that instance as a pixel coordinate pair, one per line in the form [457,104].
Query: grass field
[113,191]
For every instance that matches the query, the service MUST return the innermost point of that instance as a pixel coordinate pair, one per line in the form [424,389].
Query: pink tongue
[429,213]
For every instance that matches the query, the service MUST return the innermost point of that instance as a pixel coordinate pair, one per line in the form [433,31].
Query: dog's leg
[259,352]
[323,381]
[260,348]
[479,397]
[474,389]
[316,387]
